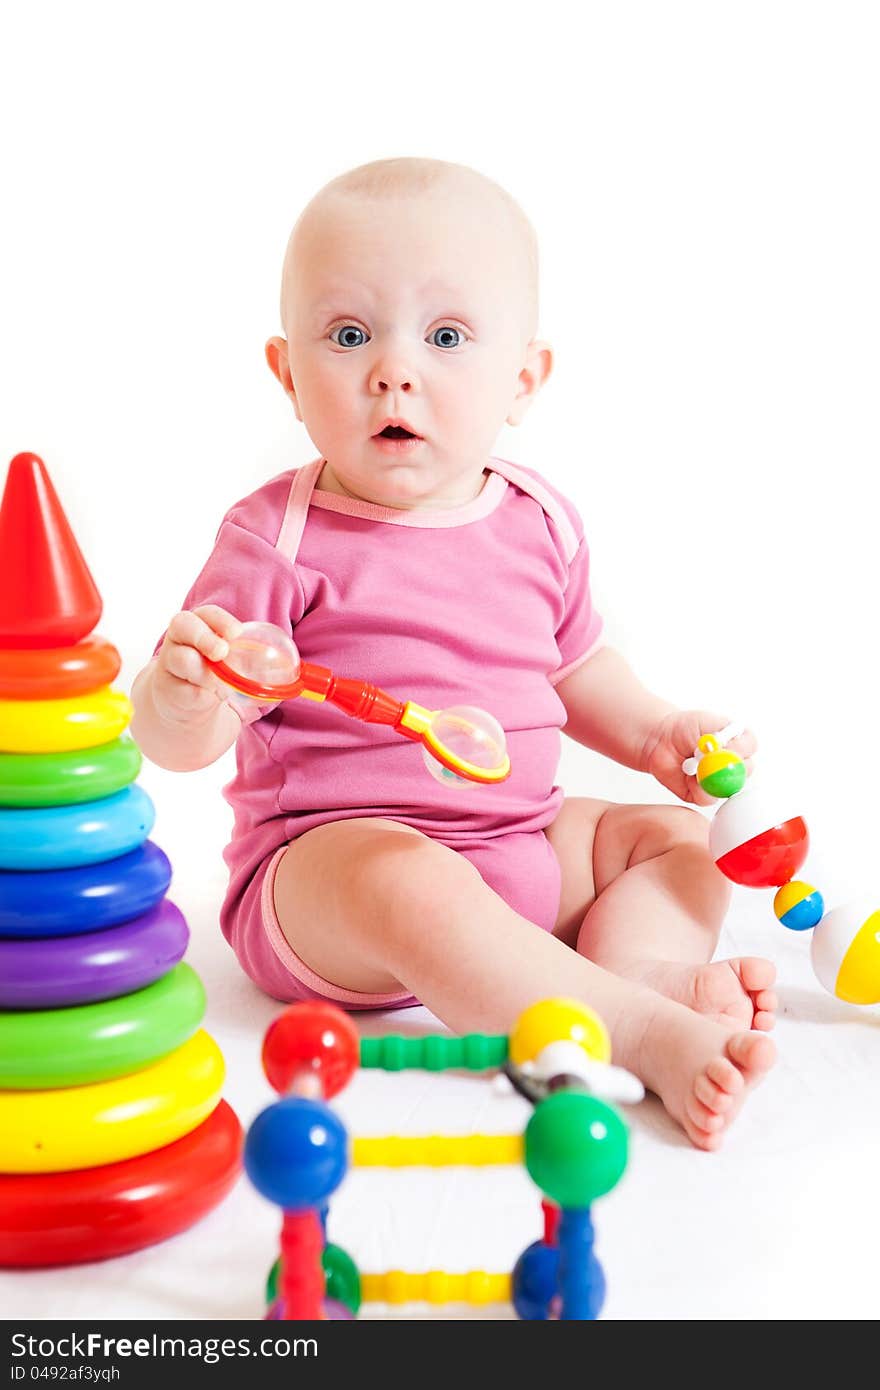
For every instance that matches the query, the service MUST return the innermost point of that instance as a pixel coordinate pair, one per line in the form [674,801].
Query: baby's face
[414,309]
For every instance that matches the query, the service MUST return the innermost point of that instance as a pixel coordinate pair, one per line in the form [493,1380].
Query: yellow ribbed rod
[437,1150]
[476,1286]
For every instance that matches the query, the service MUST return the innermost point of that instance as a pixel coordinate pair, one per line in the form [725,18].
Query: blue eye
[346,338]
[448,337]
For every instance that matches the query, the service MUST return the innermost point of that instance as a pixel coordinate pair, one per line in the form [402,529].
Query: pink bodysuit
[484,604]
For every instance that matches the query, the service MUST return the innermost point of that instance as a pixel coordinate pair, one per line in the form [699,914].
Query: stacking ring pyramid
[113,1134]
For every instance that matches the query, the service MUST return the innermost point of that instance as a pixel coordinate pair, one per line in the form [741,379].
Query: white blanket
[783,1222]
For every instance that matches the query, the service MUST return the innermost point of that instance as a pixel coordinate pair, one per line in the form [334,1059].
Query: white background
[703,182]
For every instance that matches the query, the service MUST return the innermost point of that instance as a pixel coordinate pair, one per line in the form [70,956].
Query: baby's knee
[682,825]
[684,842]
[683,834]
[646,832]
[407,874]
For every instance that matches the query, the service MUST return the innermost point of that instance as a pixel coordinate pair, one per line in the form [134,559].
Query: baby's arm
[610,710]
[182,720]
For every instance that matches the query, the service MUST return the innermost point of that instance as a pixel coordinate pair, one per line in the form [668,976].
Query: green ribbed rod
[472,1052]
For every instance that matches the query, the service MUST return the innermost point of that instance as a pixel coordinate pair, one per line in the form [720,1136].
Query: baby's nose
[392,374]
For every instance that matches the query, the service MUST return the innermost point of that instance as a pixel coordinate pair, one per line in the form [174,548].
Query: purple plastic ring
[51,972]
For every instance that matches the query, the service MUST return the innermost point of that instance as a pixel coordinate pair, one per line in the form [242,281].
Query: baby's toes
[702,1117]
[766,1001]
[752,1053]
[724,1075]
[755,973]
[712,1096]
[702,1138]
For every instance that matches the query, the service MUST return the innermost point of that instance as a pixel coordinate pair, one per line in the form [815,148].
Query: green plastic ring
[62,779]
[51,1048]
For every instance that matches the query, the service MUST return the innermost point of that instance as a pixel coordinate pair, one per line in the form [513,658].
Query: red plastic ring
[96,1213]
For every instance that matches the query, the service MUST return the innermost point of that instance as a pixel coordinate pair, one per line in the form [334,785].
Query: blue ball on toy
[535,1281]
[798,905]
[296,1153]
[592,1291]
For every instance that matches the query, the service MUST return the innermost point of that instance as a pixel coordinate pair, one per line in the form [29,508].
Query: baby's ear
[537,368]
[279,366]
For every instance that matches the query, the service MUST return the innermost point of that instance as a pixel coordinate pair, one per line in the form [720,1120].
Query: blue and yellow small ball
[798,905]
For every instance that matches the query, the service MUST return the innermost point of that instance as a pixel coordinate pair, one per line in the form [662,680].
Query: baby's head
[409,293]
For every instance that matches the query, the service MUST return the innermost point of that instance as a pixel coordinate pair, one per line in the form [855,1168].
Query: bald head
[387,180]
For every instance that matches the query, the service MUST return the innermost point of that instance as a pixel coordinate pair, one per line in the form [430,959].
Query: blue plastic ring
[65,902]
[62,837]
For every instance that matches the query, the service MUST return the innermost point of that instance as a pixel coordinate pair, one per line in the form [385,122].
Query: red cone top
[47,596]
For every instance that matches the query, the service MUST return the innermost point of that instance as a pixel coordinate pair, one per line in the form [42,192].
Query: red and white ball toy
[763,844]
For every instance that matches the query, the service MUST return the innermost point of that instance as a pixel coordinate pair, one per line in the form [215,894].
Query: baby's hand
[185,689]
[675,739]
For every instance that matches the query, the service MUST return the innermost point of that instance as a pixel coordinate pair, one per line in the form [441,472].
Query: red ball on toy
[311,1041]
[757,843]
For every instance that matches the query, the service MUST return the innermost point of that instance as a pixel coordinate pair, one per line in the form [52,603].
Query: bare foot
[699,1068]
[736,992]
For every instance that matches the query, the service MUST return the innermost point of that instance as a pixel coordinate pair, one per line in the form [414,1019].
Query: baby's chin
[401,483]
[402,490]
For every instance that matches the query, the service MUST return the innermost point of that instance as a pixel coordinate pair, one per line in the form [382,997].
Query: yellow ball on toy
[719,772]
[845,952]
[558,1020]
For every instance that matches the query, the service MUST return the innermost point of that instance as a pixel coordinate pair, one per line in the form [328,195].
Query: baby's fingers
[186,664]
[191,632]
[221,622]
[697,796]
[745,744]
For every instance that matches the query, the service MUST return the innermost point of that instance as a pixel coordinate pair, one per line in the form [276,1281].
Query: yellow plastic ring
[58,726]
[86,1126]
[461,767]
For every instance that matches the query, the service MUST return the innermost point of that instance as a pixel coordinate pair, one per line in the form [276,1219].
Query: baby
[410,555]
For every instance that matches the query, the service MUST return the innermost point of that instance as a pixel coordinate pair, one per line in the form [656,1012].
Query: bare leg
[372,905]
[642,897]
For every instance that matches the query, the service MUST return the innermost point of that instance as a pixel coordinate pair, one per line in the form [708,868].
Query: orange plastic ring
[54,673]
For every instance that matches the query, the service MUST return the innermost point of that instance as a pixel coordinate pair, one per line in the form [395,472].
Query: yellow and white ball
[558,1020]
[845,952]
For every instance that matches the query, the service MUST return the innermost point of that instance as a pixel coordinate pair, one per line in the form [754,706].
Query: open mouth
[396,432]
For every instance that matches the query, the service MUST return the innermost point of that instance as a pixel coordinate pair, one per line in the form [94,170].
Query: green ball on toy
[719,772]
[575,1148]
[342,1281]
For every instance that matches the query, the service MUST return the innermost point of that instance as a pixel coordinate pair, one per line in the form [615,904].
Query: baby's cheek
[323,378]
[326,410]
[474,398]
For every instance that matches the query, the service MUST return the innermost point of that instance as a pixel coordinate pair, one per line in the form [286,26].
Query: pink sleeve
[579,633]
[250,578]
[253,581]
